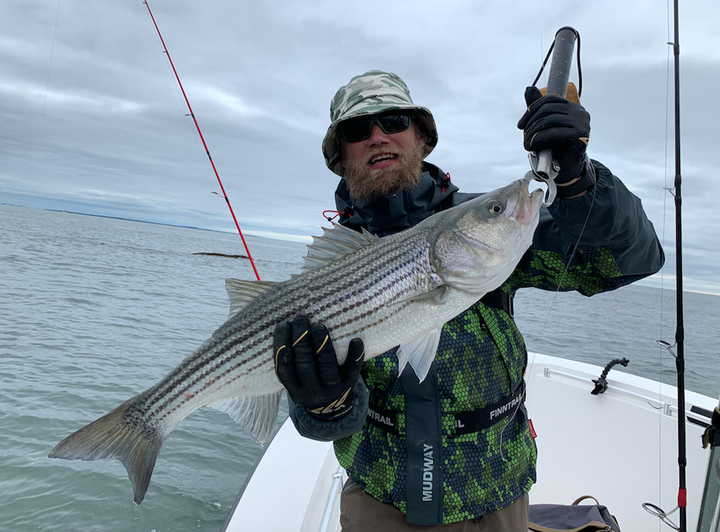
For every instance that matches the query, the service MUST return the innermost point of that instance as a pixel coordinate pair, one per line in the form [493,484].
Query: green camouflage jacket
[410,446]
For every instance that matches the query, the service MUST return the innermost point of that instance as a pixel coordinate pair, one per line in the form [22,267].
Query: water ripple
[96,310]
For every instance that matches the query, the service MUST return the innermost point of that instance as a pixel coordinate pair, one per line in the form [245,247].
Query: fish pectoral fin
[243,292]
[256,414]
[434,296]
[120,435]
[420,353]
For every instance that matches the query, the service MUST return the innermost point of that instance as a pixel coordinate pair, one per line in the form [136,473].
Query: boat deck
[620,447]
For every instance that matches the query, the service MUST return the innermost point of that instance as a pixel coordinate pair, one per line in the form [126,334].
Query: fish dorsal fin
[420,353]
[242,292]
[336,241]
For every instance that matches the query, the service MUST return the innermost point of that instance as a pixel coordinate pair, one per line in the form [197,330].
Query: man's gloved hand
[561,125]
[306,364]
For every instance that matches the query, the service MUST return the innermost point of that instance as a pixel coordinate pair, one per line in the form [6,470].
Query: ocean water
[94,310]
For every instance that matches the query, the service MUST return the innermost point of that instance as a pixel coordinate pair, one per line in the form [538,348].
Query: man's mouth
[382,158]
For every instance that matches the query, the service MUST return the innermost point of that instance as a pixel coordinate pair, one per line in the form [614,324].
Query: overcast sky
[92,119]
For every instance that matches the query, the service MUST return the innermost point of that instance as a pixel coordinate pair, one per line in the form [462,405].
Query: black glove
[561,125]
[306,364]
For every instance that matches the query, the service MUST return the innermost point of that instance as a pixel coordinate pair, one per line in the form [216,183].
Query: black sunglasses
[357,129]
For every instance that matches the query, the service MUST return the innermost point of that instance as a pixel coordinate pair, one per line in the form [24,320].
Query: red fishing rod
[197,126]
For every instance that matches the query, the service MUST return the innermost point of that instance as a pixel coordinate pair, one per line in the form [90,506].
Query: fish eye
[496,207]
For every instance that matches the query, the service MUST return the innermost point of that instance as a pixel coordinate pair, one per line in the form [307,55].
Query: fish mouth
[528,204]
[549,195]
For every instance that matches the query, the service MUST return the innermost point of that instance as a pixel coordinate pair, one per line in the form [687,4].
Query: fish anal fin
[255,414]
[242,292]
[419,353]
[121,435]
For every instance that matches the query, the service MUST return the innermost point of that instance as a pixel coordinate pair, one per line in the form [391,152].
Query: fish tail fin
[118,434]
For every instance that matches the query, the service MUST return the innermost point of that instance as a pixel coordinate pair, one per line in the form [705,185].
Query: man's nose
[377,135]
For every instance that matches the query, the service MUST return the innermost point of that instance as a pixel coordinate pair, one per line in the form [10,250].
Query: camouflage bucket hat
[370,93]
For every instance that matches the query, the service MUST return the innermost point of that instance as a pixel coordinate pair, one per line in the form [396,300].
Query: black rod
[680,328]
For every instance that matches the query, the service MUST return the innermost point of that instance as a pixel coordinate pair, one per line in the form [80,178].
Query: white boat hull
[620,447]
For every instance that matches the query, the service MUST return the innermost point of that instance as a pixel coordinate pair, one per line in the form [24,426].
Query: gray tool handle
[561,61]
[542,163]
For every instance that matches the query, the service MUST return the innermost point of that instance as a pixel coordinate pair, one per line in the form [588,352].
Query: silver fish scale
[339,295]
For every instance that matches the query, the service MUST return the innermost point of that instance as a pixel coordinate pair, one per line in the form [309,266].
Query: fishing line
[541,26]
[662,272]
[202,138]
[549,312]
[562,79]
[679,344]
[52,52]
[575,247]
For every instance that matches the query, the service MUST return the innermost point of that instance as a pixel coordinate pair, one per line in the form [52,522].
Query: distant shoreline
[651,282]
[115,218]
[270,235]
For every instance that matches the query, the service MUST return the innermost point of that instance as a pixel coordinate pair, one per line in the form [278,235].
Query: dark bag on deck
[572,518]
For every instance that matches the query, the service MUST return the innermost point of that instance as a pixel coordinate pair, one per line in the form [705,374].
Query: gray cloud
[92,118]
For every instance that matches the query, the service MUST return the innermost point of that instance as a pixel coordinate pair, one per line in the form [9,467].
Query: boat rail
[332,497]
[666,407]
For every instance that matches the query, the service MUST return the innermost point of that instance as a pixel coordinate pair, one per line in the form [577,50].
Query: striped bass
[393,291]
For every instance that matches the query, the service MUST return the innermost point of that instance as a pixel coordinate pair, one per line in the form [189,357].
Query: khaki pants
[360,512]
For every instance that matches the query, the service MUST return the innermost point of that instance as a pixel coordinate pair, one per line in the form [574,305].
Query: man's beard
[365,183]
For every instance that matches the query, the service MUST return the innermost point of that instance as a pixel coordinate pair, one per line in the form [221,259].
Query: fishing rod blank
[680,327]
[197,126]
[679,311]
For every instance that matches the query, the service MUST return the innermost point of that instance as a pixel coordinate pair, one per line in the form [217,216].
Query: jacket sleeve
[316,429]
[591,244]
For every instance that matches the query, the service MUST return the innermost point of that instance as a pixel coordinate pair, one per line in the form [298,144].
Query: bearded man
[410,464]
